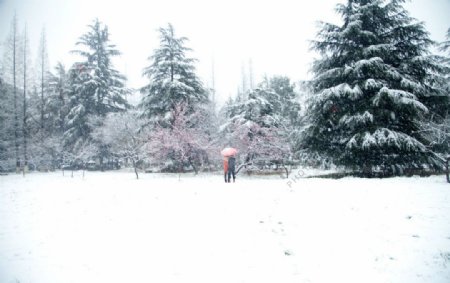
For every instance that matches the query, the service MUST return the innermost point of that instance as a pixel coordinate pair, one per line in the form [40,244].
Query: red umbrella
[228,151]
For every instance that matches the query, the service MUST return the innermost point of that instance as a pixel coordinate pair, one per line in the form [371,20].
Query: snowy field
[112,228]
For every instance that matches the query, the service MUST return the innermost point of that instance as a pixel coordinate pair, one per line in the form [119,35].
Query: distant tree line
[378,101]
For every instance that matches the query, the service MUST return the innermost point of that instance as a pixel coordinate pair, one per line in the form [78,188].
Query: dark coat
[231,163]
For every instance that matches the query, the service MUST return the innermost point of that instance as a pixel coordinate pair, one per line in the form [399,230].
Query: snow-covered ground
[110,227]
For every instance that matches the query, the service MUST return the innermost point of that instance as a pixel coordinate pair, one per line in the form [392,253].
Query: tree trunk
[42,89]
[287,171]
[24,126]
[135,168]
[16,116]
[193,166]
[446,169]
[101,163]
[61,113]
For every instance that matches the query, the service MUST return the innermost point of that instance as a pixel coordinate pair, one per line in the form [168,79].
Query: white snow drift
[110,227]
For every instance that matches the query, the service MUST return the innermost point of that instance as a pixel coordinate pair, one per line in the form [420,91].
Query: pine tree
[172,79]
[56,106]
[108,85]
[286,106]
[95,87]
[285,101]
[81,103]
[371,88]
[255,127]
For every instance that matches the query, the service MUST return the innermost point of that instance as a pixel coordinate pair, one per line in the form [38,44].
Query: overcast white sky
[274,34]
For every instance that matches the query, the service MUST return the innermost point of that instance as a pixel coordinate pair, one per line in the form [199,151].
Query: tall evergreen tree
[371,87]
[95,87]
[109,91]
[11,76]
[81,104]
[172,79]
[56,106]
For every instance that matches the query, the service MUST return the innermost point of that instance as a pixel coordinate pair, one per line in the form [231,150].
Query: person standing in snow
[231,168]
[225,168]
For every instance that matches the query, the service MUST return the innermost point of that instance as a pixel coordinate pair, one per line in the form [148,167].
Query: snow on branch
[399,97]
[343,90]
[354,121]
[382,138]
